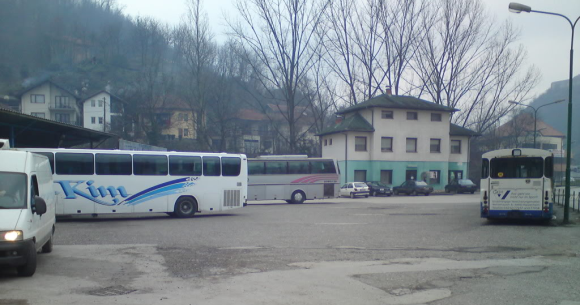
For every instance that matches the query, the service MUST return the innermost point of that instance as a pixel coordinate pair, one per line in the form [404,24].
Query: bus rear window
[74,164]
[231,166]
[322,167]
[506,168]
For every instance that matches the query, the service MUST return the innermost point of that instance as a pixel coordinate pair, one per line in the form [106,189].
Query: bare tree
[466,61]
[194,42]
[279,34]
[152,85]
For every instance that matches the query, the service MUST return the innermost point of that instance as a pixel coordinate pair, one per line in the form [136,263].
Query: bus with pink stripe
[293,178]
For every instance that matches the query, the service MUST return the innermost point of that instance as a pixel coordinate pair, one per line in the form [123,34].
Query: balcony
[61,107]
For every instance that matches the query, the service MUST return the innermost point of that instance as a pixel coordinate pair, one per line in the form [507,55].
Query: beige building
[48,100]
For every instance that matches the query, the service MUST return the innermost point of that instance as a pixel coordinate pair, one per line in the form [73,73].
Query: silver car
[352,189]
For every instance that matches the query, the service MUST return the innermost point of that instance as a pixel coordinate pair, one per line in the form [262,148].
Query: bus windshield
[506,168]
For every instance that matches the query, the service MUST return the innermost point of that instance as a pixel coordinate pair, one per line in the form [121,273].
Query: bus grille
[232,198]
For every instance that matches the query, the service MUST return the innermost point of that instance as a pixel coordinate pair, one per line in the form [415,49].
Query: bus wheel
[185,207]
[298,197]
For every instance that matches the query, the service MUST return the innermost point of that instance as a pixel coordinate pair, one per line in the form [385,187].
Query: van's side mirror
[40,205]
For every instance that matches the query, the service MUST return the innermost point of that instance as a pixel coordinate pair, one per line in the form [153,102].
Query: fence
[559,196]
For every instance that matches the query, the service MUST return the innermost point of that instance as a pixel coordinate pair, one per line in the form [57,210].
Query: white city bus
[517,183]
[293,178]
[116,181]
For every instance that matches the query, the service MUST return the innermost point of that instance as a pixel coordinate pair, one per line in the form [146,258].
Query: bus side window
[322,167]
[484,168]
[255,168]
[185,166]
[549,167]
[75,164]
[211,166]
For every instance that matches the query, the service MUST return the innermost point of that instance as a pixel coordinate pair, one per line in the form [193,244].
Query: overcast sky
[546,38]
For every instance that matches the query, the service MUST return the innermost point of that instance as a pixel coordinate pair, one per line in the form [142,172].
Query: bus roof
[141,152]
[517,152]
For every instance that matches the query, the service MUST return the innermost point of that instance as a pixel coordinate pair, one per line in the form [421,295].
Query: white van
[27,208]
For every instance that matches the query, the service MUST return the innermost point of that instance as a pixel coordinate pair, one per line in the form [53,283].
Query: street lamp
[535,114]
[518,8]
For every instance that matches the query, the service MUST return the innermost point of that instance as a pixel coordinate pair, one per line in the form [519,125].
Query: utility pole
[104,114]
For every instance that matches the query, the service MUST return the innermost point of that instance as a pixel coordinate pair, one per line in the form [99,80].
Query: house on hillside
[104,111]
[519,132]
[49,100]
[262,133]
[173,116]
[392,139]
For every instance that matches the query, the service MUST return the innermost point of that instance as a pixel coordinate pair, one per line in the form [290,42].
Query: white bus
[517,183]
[119,181]
[293,178]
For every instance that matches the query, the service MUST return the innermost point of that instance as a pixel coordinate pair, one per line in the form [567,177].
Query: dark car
[412,187]
[377,188]
[461,186]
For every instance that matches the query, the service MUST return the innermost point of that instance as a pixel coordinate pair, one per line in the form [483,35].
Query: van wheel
[47,248]
[30,267]
[185,207]
[298,197]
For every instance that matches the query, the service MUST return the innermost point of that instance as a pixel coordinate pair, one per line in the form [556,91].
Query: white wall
[97,112]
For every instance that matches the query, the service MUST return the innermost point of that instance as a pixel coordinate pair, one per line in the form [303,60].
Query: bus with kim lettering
[120,181]
[517,183]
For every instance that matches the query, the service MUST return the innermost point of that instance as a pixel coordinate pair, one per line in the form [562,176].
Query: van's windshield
[12,190]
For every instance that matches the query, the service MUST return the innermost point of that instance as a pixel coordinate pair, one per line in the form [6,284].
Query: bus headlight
[11,235]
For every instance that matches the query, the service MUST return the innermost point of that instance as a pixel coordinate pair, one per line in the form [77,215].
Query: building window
[435,117]
[100,120]
[386,144]
[435,145]
[186,132]
[93,120]
[37,98]
[330,142]
[455,146]
[62,117]
[411,115]
[360,143]
[411,144]
[360,175]
[38,114]
[547,146]
[61,102]
[100,103]
[325,142]
[434,176]
[92,103]
[454,175]
[387,114]
[387,176]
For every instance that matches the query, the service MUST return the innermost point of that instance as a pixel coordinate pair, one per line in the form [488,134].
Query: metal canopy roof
[29,131]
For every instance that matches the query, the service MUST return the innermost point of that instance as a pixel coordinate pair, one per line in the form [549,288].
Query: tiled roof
[397,101]
[525,122]
[351,123]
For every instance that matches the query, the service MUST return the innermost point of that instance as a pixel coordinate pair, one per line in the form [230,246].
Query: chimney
[389,92]
[338,119]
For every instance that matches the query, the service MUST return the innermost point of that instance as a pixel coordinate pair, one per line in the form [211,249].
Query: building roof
[351,123]
[399,102]
[456,130]
[30,131]
[250,115]
[37,84]
[105,91]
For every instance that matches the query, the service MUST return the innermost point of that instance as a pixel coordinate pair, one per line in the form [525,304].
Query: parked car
[353,189]
[461,186]
[412,187]
[377,188]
